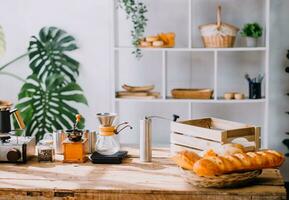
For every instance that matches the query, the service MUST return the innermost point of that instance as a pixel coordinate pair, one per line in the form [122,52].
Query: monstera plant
[48,95]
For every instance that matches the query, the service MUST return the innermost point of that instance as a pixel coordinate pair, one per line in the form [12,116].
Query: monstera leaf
[45,105]
[47,54]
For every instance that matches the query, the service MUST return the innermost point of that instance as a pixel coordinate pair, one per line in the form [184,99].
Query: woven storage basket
[218,35]
[226,180]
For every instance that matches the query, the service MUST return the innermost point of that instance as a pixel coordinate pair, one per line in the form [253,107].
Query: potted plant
[252,31]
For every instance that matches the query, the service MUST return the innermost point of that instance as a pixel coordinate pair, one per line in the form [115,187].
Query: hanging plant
[47,96]
[135,11]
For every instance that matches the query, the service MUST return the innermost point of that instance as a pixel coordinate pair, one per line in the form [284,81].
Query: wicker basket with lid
[219,35]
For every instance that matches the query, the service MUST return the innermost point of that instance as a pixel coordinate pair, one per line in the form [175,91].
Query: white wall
[89,21]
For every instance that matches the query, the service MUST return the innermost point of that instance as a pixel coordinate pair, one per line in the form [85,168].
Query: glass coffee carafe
[107,142]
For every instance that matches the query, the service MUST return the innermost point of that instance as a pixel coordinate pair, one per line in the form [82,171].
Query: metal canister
[146,140]
[91,139]
[58,137]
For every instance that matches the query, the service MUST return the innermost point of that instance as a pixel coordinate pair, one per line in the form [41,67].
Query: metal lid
[5,105]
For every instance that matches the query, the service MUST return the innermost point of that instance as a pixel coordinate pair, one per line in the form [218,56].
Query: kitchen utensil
[106,119]
[116,158]
[255,90]
[58,138]
[5,121]
[107,142]
[91,140]
[146,136]
[17,149]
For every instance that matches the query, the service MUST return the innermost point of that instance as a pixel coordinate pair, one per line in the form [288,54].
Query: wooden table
[131,180]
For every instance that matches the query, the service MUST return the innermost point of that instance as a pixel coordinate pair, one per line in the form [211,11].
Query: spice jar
[45,149]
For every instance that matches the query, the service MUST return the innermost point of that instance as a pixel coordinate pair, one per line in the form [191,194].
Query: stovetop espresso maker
[5,119]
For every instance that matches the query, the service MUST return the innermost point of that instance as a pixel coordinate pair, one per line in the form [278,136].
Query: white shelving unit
[189,48]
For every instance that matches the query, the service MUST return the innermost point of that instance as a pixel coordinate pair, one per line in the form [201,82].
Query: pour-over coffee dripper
[107,142]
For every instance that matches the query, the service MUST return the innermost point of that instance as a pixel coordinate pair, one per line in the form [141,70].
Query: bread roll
[217,165]
[145,44]
[158,43]
[186,159]
[152,38]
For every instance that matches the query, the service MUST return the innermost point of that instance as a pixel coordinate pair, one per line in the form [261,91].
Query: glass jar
[45,149]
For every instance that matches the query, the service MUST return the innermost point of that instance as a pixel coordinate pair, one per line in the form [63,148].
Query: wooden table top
[130,180]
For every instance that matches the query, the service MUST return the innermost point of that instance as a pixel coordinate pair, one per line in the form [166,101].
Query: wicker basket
[218,35]
[226,180]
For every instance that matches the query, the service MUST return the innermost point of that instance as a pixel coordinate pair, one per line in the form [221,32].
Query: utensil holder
[255,91]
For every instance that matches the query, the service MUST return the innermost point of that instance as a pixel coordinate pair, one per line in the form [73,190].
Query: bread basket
[218,35]
[225,180]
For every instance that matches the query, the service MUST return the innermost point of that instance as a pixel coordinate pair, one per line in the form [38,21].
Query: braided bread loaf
[217,165]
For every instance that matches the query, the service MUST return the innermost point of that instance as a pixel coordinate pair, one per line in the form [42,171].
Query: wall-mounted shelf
[196,49]
[215,63]
[170,100]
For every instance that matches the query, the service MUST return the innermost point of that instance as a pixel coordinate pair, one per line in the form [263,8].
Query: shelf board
[170,100]
[178,49]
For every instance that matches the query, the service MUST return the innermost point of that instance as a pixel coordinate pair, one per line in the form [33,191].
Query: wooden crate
[202,134]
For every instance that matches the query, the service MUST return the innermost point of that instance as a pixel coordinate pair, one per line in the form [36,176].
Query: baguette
[218,165]
[186,159]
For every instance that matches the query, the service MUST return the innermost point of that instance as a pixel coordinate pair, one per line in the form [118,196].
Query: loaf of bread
[186,159]
[217,165]
[225,149]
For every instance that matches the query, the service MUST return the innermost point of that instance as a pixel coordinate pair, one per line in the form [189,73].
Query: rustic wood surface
[131,180]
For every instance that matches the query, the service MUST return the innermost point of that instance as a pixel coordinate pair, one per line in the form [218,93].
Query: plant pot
[251,42]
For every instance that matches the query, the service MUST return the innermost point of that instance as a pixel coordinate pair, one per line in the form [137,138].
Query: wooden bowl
[239,96]
[229,95]
[181,93]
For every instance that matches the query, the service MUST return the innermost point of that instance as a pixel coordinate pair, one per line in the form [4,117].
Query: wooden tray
[145,88]
[181,93]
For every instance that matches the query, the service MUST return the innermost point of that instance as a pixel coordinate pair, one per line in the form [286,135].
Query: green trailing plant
[135,11]
[253,30]
[47,96]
